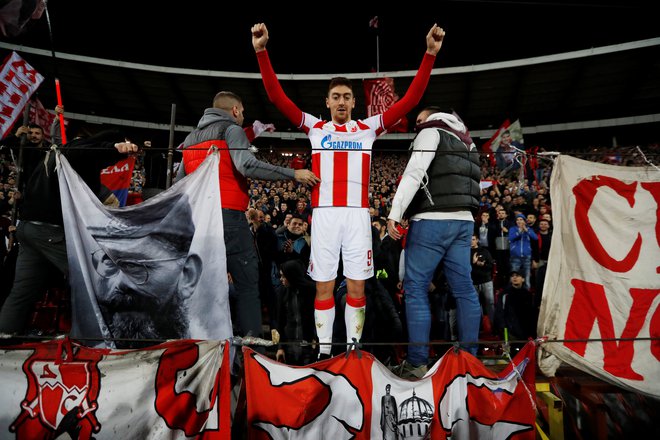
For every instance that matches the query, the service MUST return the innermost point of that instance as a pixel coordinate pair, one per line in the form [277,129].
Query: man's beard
[132,318]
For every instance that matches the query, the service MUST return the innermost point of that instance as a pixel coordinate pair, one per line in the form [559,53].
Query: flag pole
[19,162]
[170,149]
[373,24]
[377,53]
[57,81]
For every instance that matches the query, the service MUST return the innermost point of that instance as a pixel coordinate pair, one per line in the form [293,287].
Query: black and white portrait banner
[156,270]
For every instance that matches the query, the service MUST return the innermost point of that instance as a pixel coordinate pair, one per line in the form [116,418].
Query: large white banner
[603,277]
[156,270]
[60,389]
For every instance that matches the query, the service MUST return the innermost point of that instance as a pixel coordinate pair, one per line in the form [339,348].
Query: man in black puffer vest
[439,193]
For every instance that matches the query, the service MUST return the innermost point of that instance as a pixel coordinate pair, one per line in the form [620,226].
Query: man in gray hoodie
[220,126]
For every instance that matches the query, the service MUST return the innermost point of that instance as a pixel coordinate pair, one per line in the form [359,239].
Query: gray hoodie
[213,123]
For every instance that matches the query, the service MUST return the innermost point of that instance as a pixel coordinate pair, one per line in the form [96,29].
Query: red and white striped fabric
[341,158]
[18,81]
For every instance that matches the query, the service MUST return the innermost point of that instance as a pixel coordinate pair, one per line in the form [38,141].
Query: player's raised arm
[273,87]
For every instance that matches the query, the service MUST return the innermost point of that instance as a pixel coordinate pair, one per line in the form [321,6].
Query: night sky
[321,39]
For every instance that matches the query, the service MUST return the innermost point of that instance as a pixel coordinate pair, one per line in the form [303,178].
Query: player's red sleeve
[276,93]
[413,95]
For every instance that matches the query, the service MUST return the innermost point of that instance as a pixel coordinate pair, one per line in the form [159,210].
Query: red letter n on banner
[590,304]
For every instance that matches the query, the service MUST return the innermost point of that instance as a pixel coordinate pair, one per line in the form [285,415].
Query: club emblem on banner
[60,389]
[61,395]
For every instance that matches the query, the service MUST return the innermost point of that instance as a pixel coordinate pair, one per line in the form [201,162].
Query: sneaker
[411,372]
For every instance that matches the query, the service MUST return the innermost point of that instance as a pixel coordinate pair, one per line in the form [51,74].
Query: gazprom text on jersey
[343,145]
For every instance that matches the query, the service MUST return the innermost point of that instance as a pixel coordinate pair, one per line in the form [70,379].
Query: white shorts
[345,231]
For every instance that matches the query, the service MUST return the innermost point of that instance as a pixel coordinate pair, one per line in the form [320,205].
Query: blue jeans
[429,243]
[487,295]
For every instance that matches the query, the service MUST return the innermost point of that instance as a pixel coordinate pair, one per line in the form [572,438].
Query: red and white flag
[602,287]
[358,397]
[60,389]
[18,81]
[491,145]
[256,129]
[380,96]
[117,178]
[486,183]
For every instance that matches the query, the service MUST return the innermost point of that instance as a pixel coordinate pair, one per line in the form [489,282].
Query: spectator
[532,222]
[221,126]
[386,257]
[302,209]
[297,163]
[291,243]
[515,310]
[485,230]
[502,247]
[507,157]
[265,242]
[295,315]
[482,277]
[41,232]
[441,208]
[540,255]
[520,237]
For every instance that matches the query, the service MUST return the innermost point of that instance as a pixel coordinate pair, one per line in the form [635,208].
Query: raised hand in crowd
[126,147]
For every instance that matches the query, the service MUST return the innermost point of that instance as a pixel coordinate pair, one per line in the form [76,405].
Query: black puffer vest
[453,177]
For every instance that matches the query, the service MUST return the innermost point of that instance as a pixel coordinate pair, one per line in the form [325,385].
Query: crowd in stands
[8,200]
[508,261]
[510,247]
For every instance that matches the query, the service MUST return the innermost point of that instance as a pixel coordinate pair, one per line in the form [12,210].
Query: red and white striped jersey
[341,158]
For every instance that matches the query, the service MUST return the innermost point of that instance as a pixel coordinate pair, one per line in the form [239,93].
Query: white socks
[324,318]
[354,317]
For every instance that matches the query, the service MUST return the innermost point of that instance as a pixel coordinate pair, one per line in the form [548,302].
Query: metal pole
[19,162]
[58,90]
[170,149]
[377,54]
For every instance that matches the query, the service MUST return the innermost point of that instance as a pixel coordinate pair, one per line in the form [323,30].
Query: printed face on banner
[138,274]
[125,293]
[145,275]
